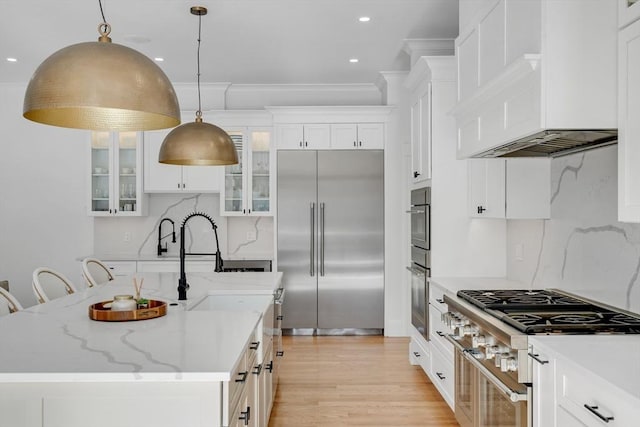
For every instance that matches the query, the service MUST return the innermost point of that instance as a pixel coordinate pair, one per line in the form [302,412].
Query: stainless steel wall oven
[420,259]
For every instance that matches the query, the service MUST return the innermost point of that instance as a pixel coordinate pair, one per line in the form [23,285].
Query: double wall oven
[493,362]
[420,258]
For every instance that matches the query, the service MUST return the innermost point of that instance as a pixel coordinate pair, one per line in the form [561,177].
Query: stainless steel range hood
[554,143]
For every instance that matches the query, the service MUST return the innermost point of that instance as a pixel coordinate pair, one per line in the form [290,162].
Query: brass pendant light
[101,86]
[198,143]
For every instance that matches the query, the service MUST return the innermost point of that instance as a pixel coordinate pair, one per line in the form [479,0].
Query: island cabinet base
[108,404]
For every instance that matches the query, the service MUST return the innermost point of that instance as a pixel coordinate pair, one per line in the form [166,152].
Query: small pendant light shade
[101,86]
[198,143]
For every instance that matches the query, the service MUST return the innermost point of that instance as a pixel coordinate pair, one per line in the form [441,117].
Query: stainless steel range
[489,331]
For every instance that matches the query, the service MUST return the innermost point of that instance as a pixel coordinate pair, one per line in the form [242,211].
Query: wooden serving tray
[155,309]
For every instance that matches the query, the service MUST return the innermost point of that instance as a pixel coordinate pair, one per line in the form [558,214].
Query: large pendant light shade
[101,86]
[198,143]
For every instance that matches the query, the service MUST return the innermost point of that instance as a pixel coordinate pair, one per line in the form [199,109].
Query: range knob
[508,364]
[492,350]
[478,341]
[469,330]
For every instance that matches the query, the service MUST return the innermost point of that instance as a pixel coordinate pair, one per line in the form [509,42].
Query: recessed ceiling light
[353,60]
[364,19]
[12,60]
[158,59]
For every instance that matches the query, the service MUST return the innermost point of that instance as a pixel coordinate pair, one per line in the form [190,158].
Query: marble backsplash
[582,247]
[238,236]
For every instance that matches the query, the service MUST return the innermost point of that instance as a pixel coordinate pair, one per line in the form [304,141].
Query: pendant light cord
[199,112]
[104,20]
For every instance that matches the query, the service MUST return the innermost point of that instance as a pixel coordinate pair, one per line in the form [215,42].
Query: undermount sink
[257,303]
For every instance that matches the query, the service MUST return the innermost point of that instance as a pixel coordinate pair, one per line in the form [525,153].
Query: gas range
[494,325]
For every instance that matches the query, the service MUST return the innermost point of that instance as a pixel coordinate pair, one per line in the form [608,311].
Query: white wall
[582,247]
[43,215]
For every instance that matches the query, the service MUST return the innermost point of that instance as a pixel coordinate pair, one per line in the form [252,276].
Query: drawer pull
[280,317]
[269,366]
[416,354]
[257,369]
[254,345]
[440,300]
[440,334]
[279,353]
[537,359]
[243,377]
[246,415]
[439,375]
[594,411]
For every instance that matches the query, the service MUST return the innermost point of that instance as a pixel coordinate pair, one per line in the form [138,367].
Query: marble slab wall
[582,247]
[139,235]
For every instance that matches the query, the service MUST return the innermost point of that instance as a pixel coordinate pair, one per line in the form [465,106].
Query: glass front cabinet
[116,171]
[248,186]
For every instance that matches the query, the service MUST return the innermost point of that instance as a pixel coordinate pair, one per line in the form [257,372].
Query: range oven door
[481,399]
[419,299]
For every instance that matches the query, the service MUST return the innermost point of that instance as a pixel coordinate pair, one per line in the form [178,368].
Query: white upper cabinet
[629,122]
[351,136]
[248,186]
[531,65]
[432,85]
[329,128]
[297,136]
[516,188]
[115,168]
[164,178]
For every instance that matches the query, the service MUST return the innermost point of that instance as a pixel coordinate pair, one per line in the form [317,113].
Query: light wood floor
[354,381]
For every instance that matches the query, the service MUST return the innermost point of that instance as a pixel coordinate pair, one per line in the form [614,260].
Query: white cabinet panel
[629,124]
[163,178]
[351,136]
[298,136]
[467,54]
[491,43]
[628,12]
[486,188]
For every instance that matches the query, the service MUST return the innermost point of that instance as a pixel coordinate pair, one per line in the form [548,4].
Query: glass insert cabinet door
[115,167]
[248,185]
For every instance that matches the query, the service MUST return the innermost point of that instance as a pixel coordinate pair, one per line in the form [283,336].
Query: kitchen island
[60,368]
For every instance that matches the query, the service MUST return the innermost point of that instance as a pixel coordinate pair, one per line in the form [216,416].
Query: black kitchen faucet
[161,237]
[182,282]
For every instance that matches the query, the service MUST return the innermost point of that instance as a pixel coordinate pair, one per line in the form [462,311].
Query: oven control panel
[479,344]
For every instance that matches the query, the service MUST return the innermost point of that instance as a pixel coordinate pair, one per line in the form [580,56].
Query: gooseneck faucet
[161,237]
[182,282]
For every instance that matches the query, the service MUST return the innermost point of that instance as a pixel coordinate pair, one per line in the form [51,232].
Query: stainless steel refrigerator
[331,241]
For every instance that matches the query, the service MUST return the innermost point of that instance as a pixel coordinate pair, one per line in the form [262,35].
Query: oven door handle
[418,272]
[415,211]
[513,395]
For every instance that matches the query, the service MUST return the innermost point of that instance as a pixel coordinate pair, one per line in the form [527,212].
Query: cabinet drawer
[419,354]
[442,374]
[121,268]
[577,387]
[239,378]
[437,331]
[436,297]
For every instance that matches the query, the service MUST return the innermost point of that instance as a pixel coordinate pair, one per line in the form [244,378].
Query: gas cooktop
[551,311]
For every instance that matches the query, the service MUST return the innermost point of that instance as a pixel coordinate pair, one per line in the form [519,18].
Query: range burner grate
[521,299]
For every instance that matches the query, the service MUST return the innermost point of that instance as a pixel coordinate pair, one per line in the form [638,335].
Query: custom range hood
[553,143]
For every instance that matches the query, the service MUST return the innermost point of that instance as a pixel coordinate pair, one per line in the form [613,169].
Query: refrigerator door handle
[321,239]
[312,238]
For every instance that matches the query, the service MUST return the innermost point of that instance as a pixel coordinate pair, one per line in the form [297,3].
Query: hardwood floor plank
[355,381]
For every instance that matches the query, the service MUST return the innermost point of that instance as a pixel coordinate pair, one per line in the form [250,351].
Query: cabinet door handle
[481,209]
[306,144]
[184,185]
[243,377]
[269,367]
[416,354]
[178,186]
[439,375]
[246,416]
[254,345]
[354,143]
[440,300]
[300,143]
[279,353]
[280,317]
[594,411]
[537,359]
[440,334]
[416,174]
[360,143]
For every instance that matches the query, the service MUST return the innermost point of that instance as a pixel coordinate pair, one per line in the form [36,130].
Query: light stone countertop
[176,257]
[58,342]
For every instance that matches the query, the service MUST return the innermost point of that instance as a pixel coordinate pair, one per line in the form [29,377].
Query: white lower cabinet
[419,351]
[121,268]
[567,395]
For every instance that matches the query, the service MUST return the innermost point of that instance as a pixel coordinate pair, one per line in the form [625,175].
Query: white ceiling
[243,41]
